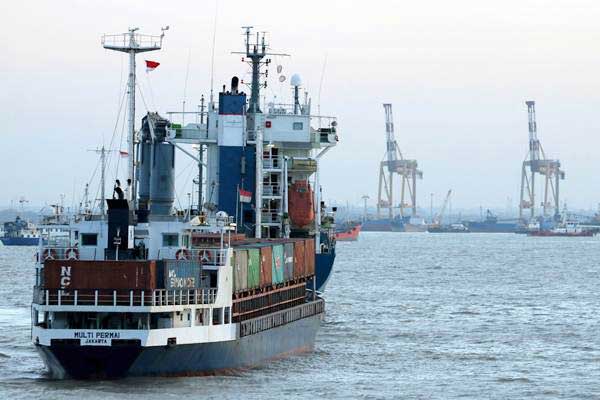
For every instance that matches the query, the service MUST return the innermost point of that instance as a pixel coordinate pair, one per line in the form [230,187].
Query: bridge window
[170,240]
[217,316]
[89,239]
[298,126]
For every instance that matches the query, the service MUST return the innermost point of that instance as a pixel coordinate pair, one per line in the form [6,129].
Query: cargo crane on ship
[548,169]
[395,164]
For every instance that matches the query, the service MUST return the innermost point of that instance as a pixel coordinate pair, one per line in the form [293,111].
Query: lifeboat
[301,204]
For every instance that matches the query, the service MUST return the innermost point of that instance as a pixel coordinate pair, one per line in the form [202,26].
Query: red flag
[245,196]
[151,65]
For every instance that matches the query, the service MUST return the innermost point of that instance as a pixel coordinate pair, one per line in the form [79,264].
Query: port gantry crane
[393,163]
[537,163]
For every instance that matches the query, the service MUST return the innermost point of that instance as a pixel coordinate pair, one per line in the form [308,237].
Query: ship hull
[482,227]
[100,362]
[323,269]
[561,234]
[350,235]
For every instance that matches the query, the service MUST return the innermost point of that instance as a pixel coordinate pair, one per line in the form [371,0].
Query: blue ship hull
[117,361]
[19,241]
[323,268]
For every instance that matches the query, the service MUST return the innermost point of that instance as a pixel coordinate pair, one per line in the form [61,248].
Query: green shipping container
[278,262]
[240,270]
[253,268]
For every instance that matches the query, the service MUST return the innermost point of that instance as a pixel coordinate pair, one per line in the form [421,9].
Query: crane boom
[440,215]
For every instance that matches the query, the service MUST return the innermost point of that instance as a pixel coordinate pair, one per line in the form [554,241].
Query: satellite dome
[296,80]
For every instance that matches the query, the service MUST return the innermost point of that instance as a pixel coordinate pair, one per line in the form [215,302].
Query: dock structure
[392,164]
[548,169]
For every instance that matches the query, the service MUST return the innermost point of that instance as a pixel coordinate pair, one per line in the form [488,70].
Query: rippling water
[442,316]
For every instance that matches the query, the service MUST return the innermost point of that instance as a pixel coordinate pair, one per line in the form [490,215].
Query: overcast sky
[457,73]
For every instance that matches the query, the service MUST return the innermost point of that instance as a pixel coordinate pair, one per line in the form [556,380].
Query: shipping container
[288,264]
[309,251]
[116,275]
[266,266]
[240,270]
[253,268]
[181,274]
[299,259]
[277,266]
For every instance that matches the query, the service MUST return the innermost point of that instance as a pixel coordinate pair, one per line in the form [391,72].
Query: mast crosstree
[132,43]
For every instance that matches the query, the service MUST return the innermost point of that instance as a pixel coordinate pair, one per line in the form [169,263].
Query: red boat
[349,235]
[567,229]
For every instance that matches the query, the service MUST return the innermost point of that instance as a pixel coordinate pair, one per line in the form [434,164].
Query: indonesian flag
[245,196]
[151,65]
[123,153]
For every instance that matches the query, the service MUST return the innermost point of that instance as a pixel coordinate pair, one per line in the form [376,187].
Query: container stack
[259,265]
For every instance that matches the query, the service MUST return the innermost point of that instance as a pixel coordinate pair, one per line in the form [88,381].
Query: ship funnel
[234,85]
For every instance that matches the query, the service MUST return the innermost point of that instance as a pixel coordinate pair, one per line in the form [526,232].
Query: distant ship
[19,233]
[452,228]
[383,225]
[491,225]
[349,232]
[565,229]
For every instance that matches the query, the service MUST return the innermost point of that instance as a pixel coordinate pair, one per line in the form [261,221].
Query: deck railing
[259,324]
[127,298]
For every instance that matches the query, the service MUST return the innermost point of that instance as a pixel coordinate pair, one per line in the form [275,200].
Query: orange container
[266,266]
[309,254]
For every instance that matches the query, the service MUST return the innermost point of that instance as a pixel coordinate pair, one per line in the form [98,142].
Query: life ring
[182,254]
[72,253]
[49,254]
[205,256]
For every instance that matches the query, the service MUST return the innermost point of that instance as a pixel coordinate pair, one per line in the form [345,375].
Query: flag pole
[237,205]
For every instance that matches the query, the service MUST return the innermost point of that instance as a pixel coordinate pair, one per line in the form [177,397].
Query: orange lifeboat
[301,204]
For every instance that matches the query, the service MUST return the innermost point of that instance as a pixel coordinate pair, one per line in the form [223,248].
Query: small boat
[568,229]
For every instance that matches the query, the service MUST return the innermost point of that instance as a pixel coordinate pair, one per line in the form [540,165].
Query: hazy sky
[457,73]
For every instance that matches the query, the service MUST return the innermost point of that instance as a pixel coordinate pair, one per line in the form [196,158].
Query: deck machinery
[549,170]
[394,164]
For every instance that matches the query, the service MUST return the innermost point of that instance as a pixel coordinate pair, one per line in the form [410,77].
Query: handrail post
[96,298]
[59,296]
[131,298]
[114,298]
[75,301]
[142,301]
[47,297]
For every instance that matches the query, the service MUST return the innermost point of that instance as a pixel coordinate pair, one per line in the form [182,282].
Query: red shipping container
[299,258]
[266,266]
[80,274]
[309,253]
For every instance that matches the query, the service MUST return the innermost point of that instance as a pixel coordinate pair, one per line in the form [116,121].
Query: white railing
[272,162]
[272,190]
[126,298]
[271,217]
[255,325]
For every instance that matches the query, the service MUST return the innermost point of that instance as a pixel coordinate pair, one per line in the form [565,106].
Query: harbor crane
[394,164]
[437,221]
[537,163]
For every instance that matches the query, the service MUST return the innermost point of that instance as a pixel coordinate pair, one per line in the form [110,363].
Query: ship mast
[132,43]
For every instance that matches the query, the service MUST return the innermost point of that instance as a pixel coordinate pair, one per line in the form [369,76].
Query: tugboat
[138,288]
[565,229]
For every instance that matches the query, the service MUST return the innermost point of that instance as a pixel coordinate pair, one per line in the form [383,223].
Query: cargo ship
[491,225]
[19,233]
[139,288]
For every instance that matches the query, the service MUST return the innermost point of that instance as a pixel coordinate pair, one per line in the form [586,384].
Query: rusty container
[288,265]
[299,259]
[80,274]
[309,254]
[240,270]
[266,266]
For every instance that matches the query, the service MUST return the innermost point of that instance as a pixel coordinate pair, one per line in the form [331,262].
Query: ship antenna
[212,56]
[321,87]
